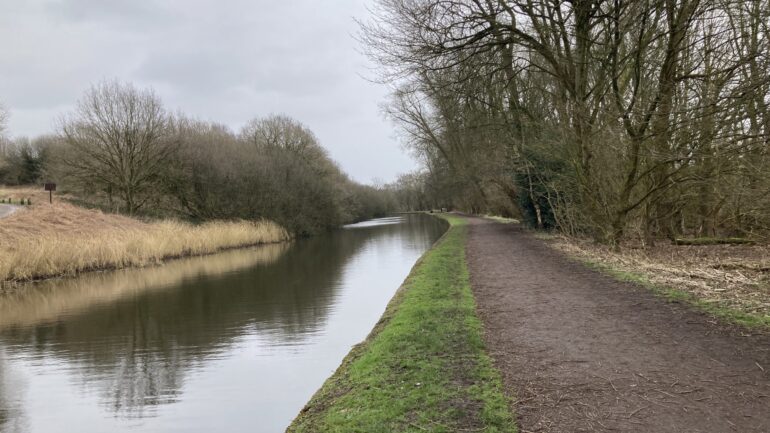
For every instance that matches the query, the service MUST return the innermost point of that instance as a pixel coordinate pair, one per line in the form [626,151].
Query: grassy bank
[423,367]
[730,282]
[716,308]
[46,241]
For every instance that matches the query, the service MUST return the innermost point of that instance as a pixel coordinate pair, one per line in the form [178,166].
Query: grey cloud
[211,70]
[141,13]
[227,61]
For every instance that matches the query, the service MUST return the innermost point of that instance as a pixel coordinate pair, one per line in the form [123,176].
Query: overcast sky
[221,60]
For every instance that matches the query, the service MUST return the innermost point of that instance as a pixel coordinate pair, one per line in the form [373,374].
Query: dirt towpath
[580,351]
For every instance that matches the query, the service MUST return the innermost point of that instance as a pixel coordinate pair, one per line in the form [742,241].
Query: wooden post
[50,187]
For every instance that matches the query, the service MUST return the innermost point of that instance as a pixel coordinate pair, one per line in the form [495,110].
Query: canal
[233,342]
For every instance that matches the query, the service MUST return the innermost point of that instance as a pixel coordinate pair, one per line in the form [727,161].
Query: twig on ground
[637,411]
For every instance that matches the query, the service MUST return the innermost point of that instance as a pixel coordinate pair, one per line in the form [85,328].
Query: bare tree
[595,116]
[120,139]
[3,119]
[282,133]
[4,144]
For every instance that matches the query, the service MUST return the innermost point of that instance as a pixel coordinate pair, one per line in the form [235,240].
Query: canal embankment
[44,241]
[424,366]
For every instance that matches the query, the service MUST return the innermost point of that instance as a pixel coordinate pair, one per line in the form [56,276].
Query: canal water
[234,342]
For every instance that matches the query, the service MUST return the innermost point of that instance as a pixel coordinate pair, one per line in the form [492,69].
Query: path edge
[323,399]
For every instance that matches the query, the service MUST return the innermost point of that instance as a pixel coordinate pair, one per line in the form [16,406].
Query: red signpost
[50,187]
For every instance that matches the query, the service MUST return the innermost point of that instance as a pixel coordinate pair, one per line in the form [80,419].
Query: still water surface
[235,342]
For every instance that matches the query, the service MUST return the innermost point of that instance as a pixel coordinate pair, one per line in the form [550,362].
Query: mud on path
[580,351]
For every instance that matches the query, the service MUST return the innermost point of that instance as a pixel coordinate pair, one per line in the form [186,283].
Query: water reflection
[377,222]
[232,342]
[46,301]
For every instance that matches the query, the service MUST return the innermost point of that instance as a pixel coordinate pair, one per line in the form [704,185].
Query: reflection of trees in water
[146,340]
[141,382]
[12,417]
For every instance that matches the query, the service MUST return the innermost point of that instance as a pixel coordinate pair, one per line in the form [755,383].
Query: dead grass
[501,219]
[45,241]
[36,194]
[736,277]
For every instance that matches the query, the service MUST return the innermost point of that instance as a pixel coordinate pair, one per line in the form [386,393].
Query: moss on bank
[424,366]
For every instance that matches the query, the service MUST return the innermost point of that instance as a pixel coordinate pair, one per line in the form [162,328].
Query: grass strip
[500,219]
[714,308]
[712,241]
[424,366]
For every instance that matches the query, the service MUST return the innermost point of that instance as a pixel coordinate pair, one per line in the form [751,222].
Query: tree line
[617,119]
[122,151]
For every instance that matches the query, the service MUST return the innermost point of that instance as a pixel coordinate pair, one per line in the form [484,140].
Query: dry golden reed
[45,301]
[45,241]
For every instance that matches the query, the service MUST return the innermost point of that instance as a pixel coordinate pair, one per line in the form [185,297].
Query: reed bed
[47,241]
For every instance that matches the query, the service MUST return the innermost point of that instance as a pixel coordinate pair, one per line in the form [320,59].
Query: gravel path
[7,209]
[580,351]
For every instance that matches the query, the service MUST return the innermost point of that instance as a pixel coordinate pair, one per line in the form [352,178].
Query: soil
[580,351]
